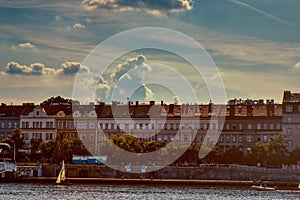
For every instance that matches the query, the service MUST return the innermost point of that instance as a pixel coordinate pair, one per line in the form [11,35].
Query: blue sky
[254,43]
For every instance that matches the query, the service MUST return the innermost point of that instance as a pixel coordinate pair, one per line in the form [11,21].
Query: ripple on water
[121,192]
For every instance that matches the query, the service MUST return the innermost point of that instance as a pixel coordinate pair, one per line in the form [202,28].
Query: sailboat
[62,174]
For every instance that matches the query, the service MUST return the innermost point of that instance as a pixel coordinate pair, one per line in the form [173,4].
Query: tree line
[271,154]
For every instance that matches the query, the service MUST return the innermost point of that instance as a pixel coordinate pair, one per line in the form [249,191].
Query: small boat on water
[61,178]
[262,188]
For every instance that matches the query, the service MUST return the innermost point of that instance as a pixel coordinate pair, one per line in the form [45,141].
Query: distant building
[10,117]
[245,122]
[291,118]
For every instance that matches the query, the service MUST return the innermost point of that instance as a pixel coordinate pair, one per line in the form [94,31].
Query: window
[100,137]
[214,126]
[15,124]
[70,125]
[271,126]
[240,126]
[234,139]
[249,126]
[165,126]
[289,108]
[126,126]
[60,125]
[240,139]
[9,124]
[249,138]
[100,126]
[92,125]
[234,126]
[91,136]
[221,138]
[81,124]
[227,127]
[258,126]
[288,131]
[298,108]
[278,126]
[2,125]
[112,126]
[265,126]
[185,138]
[265,138]
[227,138]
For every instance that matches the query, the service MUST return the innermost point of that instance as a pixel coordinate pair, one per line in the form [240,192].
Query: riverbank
[165,182]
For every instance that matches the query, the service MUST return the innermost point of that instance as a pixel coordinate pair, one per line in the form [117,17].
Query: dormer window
[37,113]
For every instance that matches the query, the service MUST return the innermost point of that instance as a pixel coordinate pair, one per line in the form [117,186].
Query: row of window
[241,139]
[290,108]
[39,136]
[249,126]
[37,124]
[9,125]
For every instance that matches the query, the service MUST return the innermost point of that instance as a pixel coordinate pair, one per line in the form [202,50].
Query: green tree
[277,153]
[258,155]
[233,156]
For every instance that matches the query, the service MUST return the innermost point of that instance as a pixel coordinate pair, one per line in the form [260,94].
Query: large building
[240,123]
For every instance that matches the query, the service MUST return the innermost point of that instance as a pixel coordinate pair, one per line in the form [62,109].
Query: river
[128,192]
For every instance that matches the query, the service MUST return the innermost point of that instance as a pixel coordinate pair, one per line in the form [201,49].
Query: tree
[277,153]
[258,155]
[295,156]
[57,99]
[233,156]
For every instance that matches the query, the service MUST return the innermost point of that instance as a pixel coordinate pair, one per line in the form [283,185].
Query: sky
[45,45]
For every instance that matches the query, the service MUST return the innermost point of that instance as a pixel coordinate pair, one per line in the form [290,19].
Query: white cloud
[26,45]
[79,26]
[39,69]
[297,65]
[154,7]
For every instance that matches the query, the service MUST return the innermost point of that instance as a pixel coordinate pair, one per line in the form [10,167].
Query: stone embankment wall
[201,172]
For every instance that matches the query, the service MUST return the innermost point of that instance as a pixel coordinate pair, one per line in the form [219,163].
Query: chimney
[171,108]
[152,103]
[162,103]
[137,103]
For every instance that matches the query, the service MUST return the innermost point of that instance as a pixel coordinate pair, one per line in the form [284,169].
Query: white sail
[62,174]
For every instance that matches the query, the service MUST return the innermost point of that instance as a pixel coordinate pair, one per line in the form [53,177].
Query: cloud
[79,26]
[71,68]
[39,69]
[129,64]
[128,74]
[26,45]
[153,7]
[297,65]
[35,69]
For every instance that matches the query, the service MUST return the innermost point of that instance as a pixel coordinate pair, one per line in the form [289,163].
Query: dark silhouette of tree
[277,153]
[57,99]
[233,156]
[295,156]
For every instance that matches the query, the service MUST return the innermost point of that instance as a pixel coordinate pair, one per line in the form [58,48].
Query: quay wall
[200,172]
